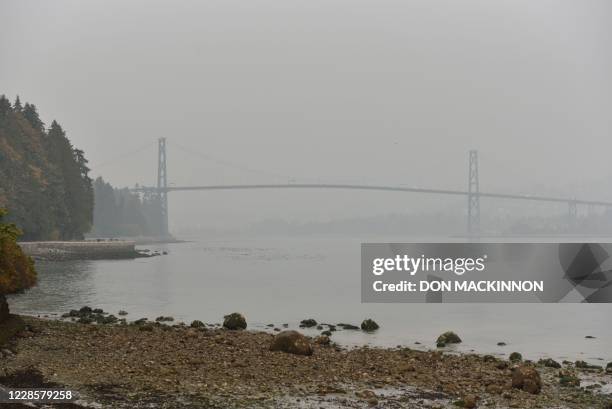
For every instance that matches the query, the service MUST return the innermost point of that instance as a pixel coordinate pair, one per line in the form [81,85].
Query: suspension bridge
[472,194]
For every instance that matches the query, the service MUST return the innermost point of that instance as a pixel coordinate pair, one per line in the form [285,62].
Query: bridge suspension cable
[227,163]
[124,155]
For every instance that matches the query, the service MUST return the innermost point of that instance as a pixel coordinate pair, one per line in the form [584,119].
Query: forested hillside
[44,180]
[119,212]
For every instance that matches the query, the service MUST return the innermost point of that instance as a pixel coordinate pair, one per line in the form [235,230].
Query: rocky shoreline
[114,363]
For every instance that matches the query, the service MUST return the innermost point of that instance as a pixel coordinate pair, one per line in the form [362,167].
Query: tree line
[122,213]
[44,180]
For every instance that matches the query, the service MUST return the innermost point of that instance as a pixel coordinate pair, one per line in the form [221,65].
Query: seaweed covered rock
[291,342]
[197,324]
[234,321]
[515,357]
[308,323]
[449,337]
[369,325]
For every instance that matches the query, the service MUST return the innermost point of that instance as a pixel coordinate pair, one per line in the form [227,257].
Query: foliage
[44,180]
[119,212]
[16,269]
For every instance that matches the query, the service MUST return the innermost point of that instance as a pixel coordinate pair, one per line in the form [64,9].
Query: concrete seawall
[79,250]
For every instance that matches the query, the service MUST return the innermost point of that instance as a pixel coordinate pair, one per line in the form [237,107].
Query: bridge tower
[162,185]
[473,213]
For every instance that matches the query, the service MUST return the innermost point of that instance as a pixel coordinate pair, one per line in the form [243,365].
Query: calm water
[285,280]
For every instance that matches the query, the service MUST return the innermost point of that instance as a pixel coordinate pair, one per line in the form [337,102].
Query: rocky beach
[115,363]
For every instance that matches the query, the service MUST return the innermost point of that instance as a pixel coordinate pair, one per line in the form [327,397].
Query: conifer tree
[30,113]
[17,105]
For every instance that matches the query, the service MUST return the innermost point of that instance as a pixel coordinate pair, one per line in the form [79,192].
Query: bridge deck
[379,188]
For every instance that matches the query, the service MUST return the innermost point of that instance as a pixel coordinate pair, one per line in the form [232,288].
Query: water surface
[284,280]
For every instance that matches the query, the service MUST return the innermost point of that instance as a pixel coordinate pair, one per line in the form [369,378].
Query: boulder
[308,323]
[197,324]
[322,340]
[609,367]
[85,310]
[515,357]
[369,325]
[234,321]
[527,378]
[291,342]
[449,337]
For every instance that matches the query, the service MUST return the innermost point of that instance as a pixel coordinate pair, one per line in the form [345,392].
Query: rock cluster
[87,315]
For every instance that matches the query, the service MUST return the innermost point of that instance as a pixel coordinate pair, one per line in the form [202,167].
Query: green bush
[16,269]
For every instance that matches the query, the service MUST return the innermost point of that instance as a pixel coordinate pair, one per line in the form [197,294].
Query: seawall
[79,250]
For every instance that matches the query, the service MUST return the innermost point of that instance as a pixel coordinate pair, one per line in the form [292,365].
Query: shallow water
[284,280]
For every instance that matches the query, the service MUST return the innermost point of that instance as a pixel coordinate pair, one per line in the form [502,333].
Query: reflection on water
[286,280]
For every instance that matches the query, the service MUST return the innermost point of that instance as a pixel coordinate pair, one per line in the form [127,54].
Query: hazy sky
[378,91]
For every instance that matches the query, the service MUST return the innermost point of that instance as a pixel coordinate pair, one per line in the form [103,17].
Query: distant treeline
[119,212]
[44,181]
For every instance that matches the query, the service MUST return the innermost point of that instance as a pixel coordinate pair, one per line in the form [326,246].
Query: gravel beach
[156,365]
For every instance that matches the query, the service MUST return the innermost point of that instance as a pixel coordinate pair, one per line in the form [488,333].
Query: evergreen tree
[30,113]
[17,105]
[74,172]
[5,106]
